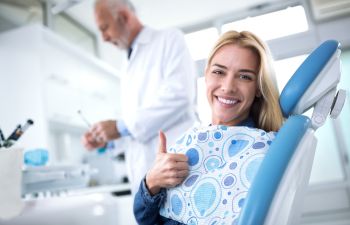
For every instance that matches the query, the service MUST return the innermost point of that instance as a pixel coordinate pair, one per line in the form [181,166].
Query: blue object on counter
[110,145]
[101,150]
[36,157]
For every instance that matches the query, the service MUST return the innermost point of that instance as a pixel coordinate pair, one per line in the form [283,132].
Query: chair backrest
[276,191]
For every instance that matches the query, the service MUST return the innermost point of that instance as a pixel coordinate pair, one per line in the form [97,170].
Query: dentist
[158,87]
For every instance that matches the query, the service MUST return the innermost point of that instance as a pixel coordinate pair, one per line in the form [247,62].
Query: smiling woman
[210,168]
[240,82]
[231,80]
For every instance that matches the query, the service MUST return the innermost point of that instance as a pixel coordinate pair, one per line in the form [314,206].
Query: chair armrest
[270,173]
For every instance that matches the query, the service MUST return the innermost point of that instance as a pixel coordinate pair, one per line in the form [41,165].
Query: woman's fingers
[177,179]
[162,142]
[169,169]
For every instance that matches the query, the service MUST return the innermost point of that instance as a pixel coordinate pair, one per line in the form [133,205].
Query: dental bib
[222,163]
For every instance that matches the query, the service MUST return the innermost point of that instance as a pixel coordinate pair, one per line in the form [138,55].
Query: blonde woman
[243,97]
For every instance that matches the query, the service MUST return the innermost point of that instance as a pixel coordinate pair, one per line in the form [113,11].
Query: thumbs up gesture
[162,142]
[168,170]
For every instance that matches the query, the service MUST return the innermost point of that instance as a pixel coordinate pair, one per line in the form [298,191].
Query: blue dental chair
[276,193]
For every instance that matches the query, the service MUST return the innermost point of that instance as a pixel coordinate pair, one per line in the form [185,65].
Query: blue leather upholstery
[271,170]
[305,75]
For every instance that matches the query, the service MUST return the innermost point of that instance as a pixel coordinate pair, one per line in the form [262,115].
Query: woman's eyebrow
[219,65]
[248,71]
[241,70]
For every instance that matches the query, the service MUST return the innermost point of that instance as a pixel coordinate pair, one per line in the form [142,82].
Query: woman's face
[231,80]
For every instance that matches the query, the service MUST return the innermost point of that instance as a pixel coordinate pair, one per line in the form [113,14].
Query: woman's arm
[168,170]
[146,206]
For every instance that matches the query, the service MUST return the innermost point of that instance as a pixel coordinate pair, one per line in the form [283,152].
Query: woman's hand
[169,169]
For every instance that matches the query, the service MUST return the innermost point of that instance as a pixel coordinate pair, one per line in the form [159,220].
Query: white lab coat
[158,93]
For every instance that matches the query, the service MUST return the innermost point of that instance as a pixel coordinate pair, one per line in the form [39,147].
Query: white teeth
[227,101]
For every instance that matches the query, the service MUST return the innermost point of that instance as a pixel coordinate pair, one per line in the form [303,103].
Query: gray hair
[114,4]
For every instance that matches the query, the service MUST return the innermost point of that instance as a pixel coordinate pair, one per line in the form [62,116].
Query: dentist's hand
[169,169]
[90,142]
[99,134]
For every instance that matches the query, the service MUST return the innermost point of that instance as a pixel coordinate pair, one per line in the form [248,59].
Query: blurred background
[53,62]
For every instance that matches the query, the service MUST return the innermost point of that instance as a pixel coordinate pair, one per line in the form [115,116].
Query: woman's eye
[245,77]
[218,72]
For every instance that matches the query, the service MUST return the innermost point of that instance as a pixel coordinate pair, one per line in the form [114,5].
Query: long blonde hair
[265,110]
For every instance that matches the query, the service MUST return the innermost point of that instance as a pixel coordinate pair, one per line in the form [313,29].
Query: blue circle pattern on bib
[222,162]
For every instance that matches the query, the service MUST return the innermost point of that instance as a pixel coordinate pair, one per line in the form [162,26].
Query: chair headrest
[305,75]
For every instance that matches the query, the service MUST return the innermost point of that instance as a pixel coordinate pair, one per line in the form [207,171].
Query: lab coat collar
[143,37]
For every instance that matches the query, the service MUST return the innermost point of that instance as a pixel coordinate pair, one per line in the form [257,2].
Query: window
[16,15]
[273,25]
[31,12]
[75,33]
[201,42]
[344,117]
[285,69]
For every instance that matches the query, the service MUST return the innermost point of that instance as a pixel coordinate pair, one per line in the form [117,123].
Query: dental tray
[54,178]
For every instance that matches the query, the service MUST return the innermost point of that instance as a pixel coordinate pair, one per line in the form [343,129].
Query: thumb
[162,142]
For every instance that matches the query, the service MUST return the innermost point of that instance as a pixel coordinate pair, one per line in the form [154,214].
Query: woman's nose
[229,85]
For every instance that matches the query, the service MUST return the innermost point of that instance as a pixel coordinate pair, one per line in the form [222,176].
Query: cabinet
[46,78]
[103,205]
